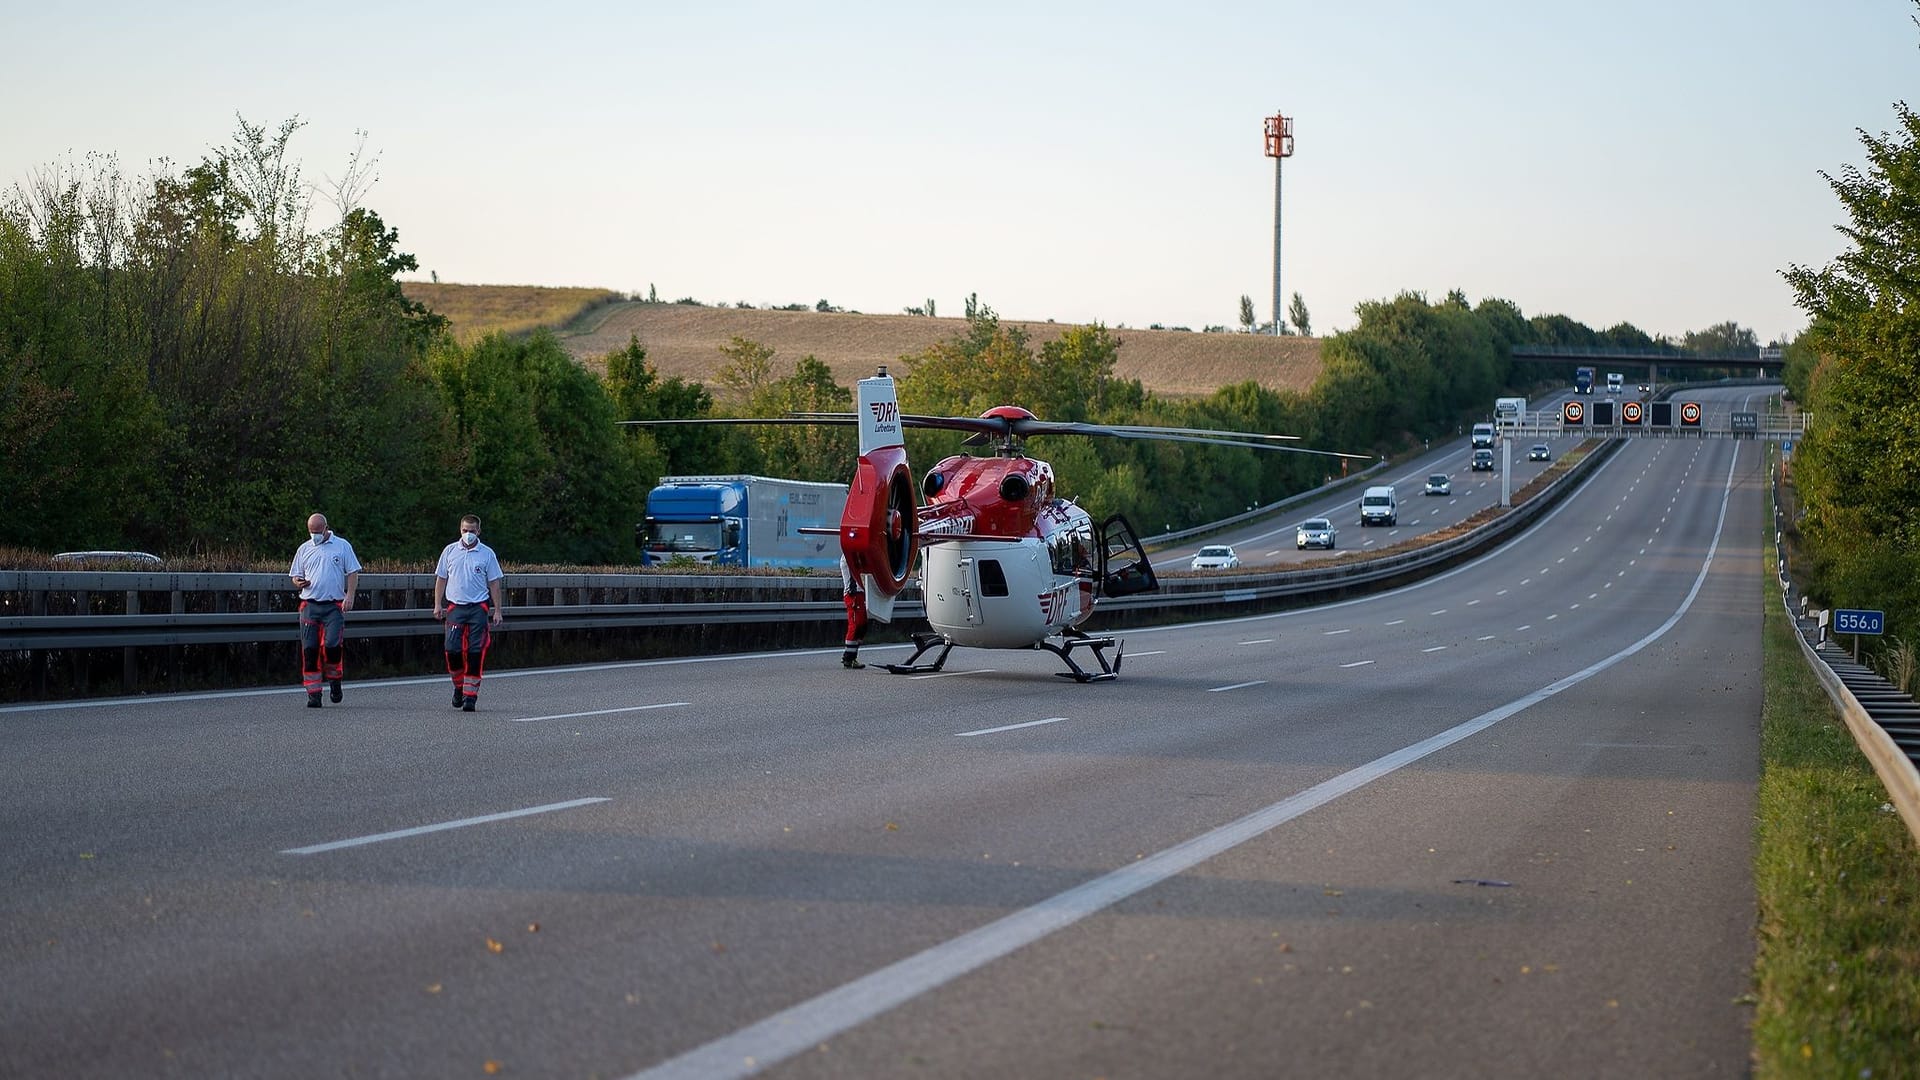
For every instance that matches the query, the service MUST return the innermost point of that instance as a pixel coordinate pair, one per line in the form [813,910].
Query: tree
[1858,470]
[1247,316]
[1297,313]
[1722,339]
[748,370]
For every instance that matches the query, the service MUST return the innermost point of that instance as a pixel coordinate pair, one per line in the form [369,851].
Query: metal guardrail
[1879,737]
[238,609]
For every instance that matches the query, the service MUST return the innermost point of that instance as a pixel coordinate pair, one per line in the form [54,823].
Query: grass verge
[1838,973]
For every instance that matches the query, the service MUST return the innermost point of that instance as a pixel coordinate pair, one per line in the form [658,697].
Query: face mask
[469,539]
[317,537]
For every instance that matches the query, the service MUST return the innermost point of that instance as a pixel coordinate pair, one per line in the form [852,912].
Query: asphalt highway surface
[1497,823]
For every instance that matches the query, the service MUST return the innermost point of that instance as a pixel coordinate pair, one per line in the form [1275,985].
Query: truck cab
[1615,382]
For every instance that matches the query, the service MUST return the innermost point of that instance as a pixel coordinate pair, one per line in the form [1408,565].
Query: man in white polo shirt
[327,574]
[464,582]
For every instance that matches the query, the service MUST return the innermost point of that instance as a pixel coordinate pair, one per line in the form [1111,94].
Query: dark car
[1538,452]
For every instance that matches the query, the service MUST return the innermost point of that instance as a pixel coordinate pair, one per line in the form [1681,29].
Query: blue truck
[741,521]
[1583,380]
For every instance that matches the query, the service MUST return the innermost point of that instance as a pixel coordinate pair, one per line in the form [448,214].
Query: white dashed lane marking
[1357,663]
[1008,727]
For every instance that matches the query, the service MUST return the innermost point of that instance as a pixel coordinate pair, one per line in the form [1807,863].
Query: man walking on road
[467,578]
[327,574]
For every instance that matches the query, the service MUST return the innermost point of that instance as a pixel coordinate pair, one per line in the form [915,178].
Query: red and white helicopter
[1003,562]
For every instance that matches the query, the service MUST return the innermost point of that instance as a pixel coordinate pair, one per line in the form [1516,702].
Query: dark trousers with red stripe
[469,632]
[321,623]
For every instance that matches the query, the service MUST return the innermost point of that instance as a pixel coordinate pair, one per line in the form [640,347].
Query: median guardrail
[43,612]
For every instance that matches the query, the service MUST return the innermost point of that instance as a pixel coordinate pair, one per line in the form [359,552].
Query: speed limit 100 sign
[1630,413]
[1690,413]
[1573,412]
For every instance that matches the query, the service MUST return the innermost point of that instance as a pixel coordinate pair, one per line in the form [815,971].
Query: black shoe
[313,700]
[459,698]
[851,661]
[467,705]
[336,691]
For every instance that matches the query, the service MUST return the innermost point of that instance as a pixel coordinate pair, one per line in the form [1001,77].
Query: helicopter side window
[993,580]
[1072,550]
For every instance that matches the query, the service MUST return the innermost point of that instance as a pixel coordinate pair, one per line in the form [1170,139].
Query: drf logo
[884,412]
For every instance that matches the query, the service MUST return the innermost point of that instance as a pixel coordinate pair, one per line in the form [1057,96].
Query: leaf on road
[433,988]
[491,1068]
[891,827]
[494,946]
[533,928]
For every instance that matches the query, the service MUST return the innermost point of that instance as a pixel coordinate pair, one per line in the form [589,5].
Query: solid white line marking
[600,712]
[1259,641]
[1348,630]
[1009,727]
[1357,663]
[801,1027]
[357,841]
[1436,648]
[1156,652]
[1236,686]
[951,674]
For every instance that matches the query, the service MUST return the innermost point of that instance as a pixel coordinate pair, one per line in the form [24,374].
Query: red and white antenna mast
[1279,148]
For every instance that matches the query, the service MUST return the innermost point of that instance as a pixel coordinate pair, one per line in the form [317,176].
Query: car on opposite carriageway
[1314,532]
[1216,557]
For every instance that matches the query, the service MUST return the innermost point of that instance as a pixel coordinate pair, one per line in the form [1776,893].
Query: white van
[1377,507]
[1483,435]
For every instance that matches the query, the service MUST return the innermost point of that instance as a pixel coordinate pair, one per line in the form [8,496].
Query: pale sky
[1652,162]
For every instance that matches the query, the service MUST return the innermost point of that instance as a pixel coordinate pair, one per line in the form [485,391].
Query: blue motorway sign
[1850,621]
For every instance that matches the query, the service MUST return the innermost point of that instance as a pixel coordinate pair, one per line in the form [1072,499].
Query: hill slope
[685,340]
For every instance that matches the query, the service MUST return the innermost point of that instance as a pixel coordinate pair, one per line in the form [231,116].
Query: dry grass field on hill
[478,310]
[685,340]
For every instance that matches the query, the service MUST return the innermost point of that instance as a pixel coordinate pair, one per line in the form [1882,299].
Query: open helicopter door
[1124,569]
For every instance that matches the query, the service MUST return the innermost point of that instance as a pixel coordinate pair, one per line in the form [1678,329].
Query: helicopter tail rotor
[879,530]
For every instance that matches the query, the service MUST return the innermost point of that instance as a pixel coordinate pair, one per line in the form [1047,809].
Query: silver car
[1314,532]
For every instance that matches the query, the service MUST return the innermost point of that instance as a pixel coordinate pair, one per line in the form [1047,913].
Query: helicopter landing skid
[1075,639]
[921,644]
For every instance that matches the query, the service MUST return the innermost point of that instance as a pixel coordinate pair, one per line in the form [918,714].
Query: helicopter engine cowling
[879,530]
